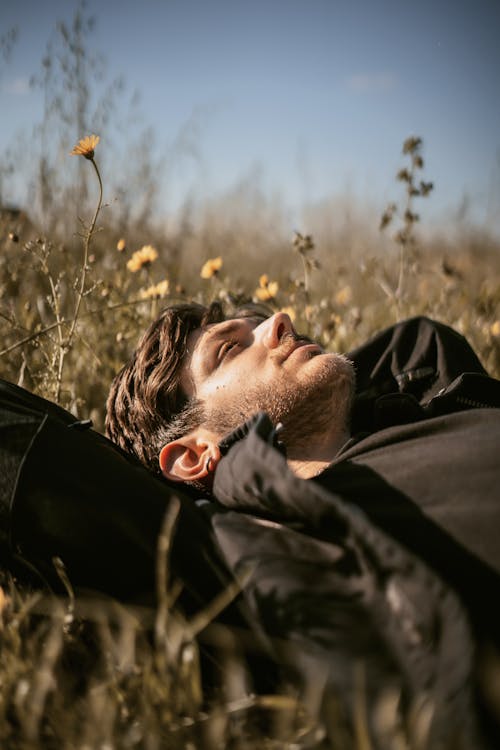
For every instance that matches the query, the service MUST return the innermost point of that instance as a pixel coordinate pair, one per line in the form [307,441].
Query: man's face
[238,367]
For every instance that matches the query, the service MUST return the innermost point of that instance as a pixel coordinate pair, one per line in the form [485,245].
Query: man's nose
[271,331]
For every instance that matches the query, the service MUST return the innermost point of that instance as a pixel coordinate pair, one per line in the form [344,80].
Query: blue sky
[316,96]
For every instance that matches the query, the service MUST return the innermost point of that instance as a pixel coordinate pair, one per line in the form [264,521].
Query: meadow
[80,673]
[74,305]
[82,273]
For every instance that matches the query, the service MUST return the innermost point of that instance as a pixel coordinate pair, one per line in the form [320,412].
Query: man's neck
[307,462]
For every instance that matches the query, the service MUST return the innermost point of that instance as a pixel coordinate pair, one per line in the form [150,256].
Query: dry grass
[90,673]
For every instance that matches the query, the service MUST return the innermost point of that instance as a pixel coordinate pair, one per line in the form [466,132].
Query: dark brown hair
[146,406]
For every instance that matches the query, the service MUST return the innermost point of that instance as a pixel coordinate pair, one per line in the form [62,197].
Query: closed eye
[225,349]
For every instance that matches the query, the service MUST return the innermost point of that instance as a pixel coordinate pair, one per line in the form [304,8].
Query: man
[218,375]
[433,484]
[399,446]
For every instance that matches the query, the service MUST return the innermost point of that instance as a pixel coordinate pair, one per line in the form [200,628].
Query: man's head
[196,375]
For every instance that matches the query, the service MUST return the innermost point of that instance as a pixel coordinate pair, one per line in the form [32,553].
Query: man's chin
[329,366]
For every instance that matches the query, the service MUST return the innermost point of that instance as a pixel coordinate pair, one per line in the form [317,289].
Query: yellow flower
[290,312]
[157,290]
[267,289]
[85,147]
[141,258]
[121,245]
[495,328]
[344,295]
[211,268]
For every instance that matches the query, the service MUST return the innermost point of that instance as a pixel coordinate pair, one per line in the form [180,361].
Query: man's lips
[301,344]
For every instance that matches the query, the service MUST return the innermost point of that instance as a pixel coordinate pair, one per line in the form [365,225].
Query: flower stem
[86,246]
[65,345]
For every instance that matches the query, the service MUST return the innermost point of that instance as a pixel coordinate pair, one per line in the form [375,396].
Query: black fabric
[418,356]
[68,492]
[71,493]
[434,486]
[330,590]
[16,435]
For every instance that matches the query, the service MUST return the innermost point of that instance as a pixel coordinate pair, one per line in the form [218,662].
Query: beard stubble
[307,409]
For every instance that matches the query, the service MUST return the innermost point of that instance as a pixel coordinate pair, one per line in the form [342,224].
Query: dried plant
[405,235]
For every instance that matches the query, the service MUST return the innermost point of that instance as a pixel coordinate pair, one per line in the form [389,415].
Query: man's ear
[191,458]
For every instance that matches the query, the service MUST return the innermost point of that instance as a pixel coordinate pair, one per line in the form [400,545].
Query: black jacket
[330,590]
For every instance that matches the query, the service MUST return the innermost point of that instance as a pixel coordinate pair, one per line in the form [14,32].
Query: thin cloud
[18,86]
[368,82]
